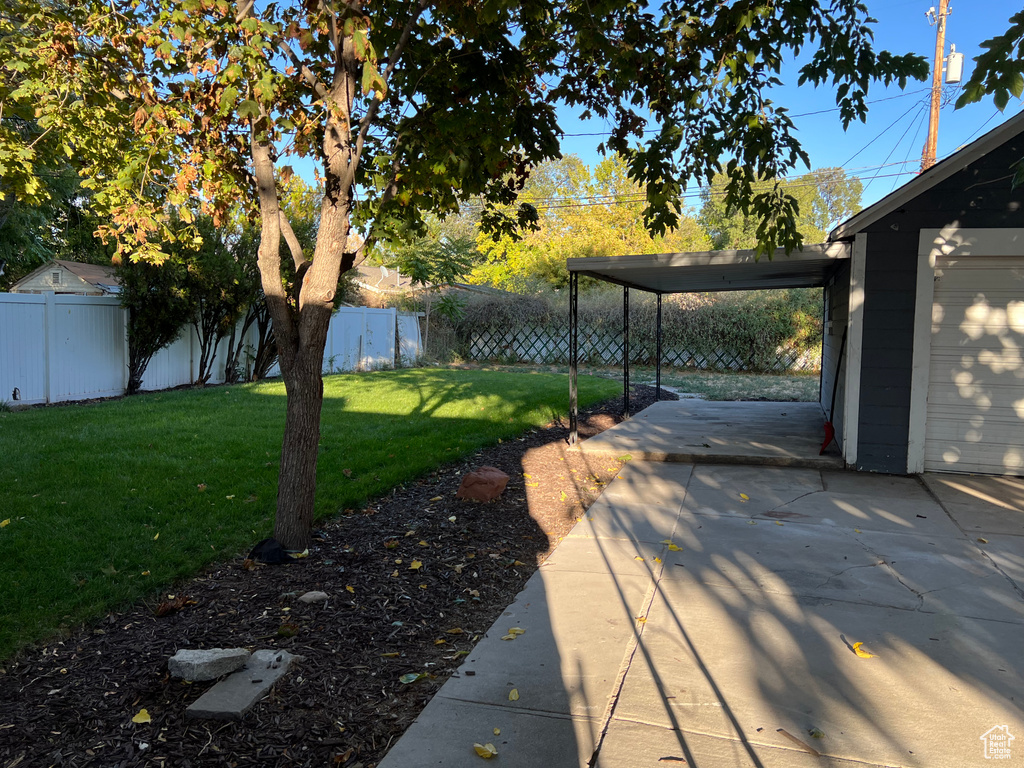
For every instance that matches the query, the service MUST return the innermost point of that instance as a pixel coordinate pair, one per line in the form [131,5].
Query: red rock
[482,484]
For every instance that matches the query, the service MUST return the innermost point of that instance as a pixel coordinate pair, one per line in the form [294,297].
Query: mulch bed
[414,579]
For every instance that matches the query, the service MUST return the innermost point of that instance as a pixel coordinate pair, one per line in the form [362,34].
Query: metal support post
[657,367]
[625,352]
[574,288]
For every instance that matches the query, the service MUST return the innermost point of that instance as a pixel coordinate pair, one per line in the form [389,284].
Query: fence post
[50,345]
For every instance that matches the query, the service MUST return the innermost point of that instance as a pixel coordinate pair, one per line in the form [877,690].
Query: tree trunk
[296,489]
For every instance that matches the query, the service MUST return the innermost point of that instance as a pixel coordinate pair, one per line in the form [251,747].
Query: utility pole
[939,22]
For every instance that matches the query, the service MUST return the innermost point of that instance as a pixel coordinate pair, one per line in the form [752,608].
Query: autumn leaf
[744,497]
[391,655]
[5,523]
[513,695]
[455,631]
[424,544]
[497,731]
[657,559]
[440,641]
[437,498]
[351,589]
[862,653]
[415,565]
[983,541]
[674,548]
[516,631]
[412,677]
[142,717]
[156,537]
[486,751]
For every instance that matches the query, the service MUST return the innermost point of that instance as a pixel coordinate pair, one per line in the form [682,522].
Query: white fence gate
[55,348]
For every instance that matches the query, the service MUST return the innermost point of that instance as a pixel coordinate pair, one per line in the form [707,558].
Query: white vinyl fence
[55,348]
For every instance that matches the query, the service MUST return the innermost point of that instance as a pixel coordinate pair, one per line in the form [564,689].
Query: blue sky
[897,123]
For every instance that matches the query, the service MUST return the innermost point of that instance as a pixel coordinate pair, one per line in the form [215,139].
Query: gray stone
[232,697]
[313,597]
[200,665]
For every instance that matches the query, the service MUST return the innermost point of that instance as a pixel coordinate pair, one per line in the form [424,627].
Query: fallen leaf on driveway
[486,751]
[862,653]
[513,695]
[744,497]
[516,631]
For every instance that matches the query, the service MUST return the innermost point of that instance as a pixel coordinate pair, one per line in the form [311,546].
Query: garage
[976,371]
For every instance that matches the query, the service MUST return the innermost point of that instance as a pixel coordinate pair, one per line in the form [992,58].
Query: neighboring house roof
[95,274]
[928,179]
[100,278]
[383,280]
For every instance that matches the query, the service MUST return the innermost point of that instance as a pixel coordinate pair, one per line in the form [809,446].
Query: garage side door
[975,420]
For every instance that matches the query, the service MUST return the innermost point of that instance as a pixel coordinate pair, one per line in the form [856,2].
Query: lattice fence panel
[547,345]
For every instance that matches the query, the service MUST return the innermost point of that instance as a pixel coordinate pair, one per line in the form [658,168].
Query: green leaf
[248,108]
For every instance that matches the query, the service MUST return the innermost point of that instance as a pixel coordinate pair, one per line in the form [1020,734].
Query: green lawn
[108,502]
[711,385]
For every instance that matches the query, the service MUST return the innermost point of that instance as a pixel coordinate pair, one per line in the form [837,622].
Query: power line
[801,114]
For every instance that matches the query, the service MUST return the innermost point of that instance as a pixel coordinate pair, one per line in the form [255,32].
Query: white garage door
[976,381]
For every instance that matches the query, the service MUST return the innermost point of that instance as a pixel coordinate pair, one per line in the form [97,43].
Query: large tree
[824,197]
[408,106]
[582,212]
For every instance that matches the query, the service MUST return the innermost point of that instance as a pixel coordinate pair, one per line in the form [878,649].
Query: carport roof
[715,270]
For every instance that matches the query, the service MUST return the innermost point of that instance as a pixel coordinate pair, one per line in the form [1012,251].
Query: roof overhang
[716,270]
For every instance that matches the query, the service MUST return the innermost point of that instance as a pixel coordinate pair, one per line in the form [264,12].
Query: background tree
[418,105]
[825,197]
[158,311]
[581,213]
[217,288]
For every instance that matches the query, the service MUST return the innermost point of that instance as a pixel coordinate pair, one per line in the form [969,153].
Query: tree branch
[396,53]
[293,242]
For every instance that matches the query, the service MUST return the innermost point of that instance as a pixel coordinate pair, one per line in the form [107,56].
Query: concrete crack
[852,567]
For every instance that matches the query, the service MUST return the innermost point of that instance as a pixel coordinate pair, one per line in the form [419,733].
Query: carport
[814,266]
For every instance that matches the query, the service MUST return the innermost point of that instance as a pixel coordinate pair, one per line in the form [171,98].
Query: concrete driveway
[710,616]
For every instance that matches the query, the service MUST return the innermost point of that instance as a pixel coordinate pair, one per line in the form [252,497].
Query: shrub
[741,330]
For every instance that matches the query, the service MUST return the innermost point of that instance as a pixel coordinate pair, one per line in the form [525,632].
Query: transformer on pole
[954,72]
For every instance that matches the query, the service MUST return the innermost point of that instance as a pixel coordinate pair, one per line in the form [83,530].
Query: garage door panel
[975,418]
